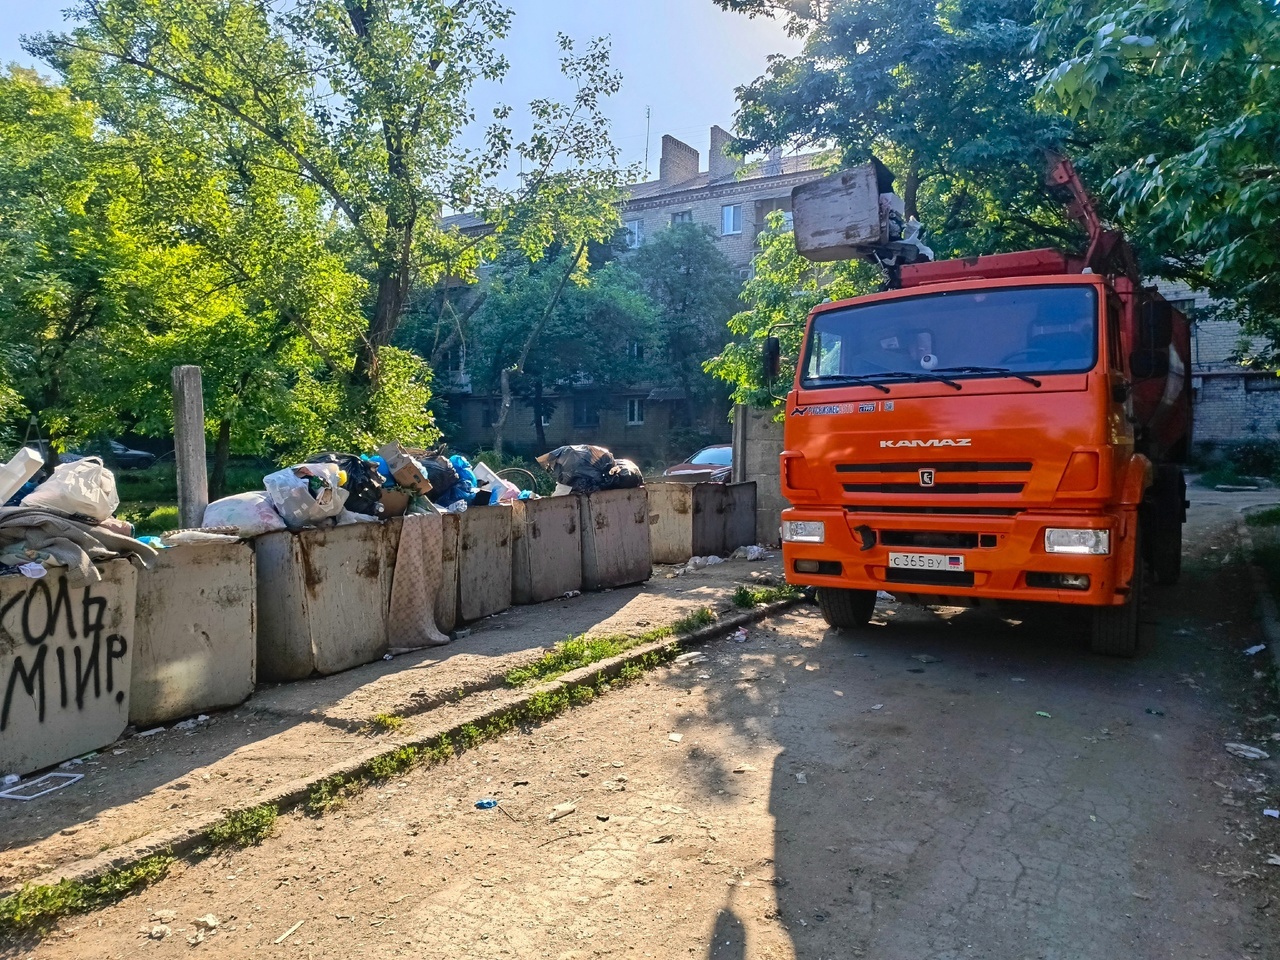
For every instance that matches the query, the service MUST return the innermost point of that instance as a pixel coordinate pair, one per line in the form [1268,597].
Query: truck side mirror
[1156,330]
[771,354]
[1149,364]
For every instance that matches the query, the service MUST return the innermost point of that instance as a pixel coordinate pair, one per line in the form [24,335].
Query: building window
[635,412]
[683,216]
[635,233]
[635,350]
[731,219]
[546,419]
[486,416]
[586,412]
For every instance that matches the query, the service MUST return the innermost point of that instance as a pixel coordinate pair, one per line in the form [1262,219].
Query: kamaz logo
[931,442]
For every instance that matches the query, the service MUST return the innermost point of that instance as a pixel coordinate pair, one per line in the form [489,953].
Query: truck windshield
[1002,332]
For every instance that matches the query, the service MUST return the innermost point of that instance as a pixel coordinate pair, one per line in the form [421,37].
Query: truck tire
[1167,515]
[1114,630]
[846,608]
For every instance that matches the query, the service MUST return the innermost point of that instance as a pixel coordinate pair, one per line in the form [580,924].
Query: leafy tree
[364,100]
[778,298]
[942,92]
[548,326]
[694,291]
[1188,97]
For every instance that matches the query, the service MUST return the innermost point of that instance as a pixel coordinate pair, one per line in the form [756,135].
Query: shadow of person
[728,938]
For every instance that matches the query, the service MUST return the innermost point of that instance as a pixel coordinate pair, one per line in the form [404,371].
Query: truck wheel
[1114,630]
[1166,520]
[846,608]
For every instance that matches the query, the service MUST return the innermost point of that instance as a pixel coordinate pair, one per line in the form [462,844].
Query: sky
[680,58]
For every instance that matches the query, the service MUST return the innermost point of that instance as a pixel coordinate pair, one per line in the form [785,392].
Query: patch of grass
[245,828]
[1269,517]
[395,763]
[36,908]
[387,722]
[1226,475]
[583,650]
[748,597]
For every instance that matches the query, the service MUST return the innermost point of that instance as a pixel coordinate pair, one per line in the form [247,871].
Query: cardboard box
[404,469]
[394,503]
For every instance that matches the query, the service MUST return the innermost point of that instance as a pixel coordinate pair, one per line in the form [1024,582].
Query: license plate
[927,561]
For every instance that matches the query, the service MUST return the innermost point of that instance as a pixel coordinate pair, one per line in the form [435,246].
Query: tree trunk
[499,425]
[911,191]
[537,415]
[221,454]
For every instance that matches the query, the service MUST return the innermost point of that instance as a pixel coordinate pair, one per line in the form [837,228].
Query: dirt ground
[163,781]
[898,794]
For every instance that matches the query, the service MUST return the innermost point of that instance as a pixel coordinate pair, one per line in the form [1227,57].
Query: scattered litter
[160,931]
[925,658]
[694,657]
[887,597]
[838,693]
[387,656]
[1232,802]
[570,594]
[46,784]
[1247,752]
[665,838]
[1018,679]
[602,817]
[10,779]
[744,768]
[562,810]
[151,733]
[192,723]
[616,763]
[1155,711]
[675,737]
[207,922]
[697,563]
[1273,814]
[32,570]
[486,803]
[739,635]
[461,634]
[878,706]
[1274,860]
[1041,713]
[285,936]
[1255,649]
[801,778]
[862,654]
[753,552]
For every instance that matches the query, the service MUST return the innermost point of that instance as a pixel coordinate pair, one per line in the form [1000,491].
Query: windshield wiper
[921,375]
[1003,371]
[847,378]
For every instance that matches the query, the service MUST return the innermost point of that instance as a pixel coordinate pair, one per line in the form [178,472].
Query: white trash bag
[252,514]
[291,492]
[83,487]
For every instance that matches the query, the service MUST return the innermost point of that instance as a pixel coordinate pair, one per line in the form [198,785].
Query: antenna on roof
[648,112]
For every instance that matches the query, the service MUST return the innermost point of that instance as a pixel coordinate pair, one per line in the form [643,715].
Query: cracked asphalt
[947,784]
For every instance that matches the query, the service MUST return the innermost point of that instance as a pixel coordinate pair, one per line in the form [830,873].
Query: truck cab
[1002,428]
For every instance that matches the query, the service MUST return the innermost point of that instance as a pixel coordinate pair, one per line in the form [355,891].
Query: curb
[182,841]
[1269,612]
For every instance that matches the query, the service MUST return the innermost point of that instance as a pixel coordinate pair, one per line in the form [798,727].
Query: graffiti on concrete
[55,649]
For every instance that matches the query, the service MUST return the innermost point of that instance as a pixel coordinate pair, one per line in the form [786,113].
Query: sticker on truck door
[927,561]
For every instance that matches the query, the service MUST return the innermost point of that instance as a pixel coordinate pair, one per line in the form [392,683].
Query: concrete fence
[757,445]
[700,519]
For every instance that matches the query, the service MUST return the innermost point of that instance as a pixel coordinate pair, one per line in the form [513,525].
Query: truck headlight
[804,531]
[1063,540]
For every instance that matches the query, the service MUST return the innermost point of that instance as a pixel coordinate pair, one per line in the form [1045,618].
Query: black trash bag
[364,481]
[581,467]
[624,476]
[442,474]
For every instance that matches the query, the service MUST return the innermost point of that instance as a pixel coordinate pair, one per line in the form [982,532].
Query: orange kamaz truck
[1001,428]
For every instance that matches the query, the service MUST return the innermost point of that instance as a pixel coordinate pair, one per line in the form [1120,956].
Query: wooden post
[188,445]
[740,414]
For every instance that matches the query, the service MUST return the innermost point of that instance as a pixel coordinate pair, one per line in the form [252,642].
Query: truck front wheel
[1114,630]
[1167,516]
[846,608]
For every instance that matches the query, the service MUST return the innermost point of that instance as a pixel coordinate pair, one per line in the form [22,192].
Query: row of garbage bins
[202,625]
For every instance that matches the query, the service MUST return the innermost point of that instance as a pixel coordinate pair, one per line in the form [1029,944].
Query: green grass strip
[36,908]
[748,597]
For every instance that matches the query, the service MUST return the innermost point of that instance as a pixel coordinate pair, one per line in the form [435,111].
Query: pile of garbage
[582,468]
[342,488]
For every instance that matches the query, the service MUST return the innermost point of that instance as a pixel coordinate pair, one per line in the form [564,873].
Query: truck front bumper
[1004,557]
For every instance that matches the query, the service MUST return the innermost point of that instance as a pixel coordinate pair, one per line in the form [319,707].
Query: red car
[714,464]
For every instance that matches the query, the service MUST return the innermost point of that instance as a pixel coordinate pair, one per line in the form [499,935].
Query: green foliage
[245,828]
[387,722]
[38,907]
[702,617]
[747,597]
[778,298]
[1188,99]
[1270,517]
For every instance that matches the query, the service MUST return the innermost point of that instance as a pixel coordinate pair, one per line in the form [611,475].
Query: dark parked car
[113,454]
[714,464]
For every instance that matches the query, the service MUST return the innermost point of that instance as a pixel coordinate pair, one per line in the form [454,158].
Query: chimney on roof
[719,163]
[773,164]
[679,161]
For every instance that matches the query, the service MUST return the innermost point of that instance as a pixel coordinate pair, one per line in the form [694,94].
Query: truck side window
[824,359]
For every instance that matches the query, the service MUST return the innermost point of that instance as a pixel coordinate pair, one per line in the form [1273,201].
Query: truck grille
[929,538]
[937,511]
[932,578]
[952,488]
